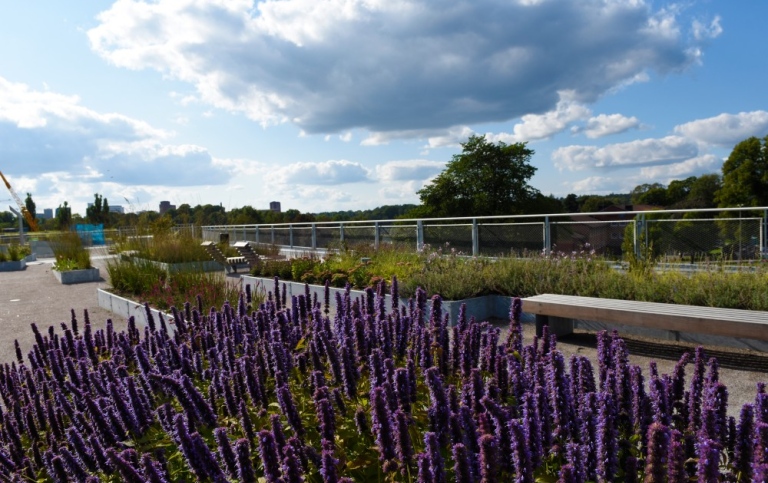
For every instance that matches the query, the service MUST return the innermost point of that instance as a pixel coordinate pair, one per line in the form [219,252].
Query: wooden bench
[559,312]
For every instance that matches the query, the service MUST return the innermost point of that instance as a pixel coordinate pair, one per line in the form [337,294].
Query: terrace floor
[35,296]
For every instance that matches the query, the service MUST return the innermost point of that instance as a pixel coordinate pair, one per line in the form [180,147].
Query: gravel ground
[35,296]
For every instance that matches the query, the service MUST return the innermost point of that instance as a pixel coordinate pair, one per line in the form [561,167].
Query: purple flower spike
[676,459]
[489,459]
[658,448]
[269,456]
[226,454]
[436,463]
[709,461]
[292,472]
[461,466]
[244,465]
[328,469]
[126,469]
[382,425]
[404,444]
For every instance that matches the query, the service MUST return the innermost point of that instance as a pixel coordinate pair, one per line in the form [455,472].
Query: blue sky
[353,104]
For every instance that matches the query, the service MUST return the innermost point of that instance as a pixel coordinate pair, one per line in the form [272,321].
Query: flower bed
[457,277]
[286,393]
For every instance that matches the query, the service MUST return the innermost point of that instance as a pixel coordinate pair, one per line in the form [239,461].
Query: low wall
[481,308]
[128,308]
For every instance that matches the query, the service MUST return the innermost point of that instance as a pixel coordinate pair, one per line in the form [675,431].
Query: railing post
[290,235]
[764,233]
[547,236]
[639,225]
[376,235]
[257,235]
[419,234]
[273,234]
[475,238]
[314,236]
[341,232]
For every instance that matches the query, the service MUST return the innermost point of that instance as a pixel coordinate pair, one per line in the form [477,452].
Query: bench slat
[681,318]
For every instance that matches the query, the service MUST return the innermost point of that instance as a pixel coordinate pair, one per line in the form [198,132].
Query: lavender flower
[658,449]
[404,445]
[709,461]
[125,468]
[269,456]
[292,472]
[226,454]
[676,459]
[489,459]
[461,468]
[382,425]
[244,466]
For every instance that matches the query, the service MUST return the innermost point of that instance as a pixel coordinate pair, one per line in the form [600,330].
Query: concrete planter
[78,276]
[481,308]
[201,266]
[128,308]
[13,266]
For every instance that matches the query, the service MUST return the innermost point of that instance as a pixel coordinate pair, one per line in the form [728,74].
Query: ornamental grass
[286,392]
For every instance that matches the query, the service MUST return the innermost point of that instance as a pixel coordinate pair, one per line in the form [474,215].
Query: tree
[485,179]
[30,206]
[745,175]
[64,216]
[649,194]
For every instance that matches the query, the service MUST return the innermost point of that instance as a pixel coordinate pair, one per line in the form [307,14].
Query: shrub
[69,252]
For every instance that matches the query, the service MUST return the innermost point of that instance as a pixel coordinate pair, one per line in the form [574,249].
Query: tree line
[485,179]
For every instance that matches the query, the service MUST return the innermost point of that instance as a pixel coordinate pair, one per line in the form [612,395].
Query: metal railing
[729,233]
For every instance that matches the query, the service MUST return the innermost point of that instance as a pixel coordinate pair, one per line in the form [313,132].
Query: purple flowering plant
[285,391]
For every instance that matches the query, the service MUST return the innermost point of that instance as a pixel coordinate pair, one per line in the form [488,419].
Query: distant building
[165,206]
[116,209]
[47,214]
[274,206]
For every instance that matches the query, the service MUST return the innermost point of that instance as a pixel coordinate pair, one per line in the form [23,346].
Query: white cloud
[383,65]
[726,129]
[326,173]
[607,124]
[415,169]
[703,31]
[401,193]
[542,126]
[452,138]
[663,174]
[699,165]
[643,152]
[43,131]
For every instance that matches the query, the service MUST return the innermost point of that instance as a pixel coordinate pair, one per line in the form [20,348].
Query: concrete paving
[35,296]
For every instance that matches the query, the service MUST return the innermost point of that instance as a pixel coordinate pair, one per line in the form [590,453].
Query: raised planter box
[202,266]
[126,308]
[13,266]
[78,276]
[481,308]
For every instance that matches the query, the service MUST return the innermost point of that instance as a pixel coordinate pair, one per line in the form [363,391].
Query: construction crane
[27,215]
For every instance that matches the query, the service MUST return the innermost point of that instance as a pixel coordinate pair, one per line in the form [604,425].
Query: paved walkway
[35,296]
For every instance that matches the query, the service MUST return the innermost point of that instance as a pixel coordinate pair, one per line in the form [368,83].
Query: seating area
[229,263]
[560,311]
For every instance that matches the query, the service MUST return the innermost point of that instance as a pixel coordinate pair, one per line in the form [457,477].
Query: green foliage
[98,212]
[163,245]
[454,276]
[144,281]
[485,179]
[14,252]
[745,175]
[29,204]
[69,252]
[64,216]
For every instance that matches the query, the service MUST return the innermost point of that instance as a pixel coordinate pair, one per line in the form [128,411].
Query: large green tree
[485,179]
[745,175]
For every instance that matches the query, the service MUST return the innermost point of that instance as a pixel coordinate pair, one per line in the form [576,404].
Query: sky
[330,105]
